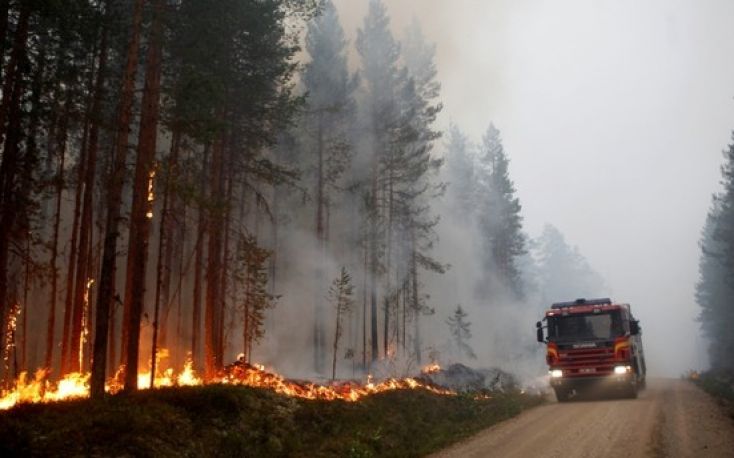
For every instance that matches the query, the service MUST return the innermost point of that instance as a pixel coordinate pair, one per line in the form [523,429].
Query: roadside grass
[221,421]
[720,385]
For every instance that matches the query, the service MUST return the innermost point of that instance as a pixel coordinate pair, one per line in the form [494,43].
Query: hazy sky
[614,114]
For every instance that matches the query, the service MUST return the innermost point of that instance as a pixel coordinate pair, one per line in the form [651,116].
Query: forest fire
[39,389]
[249,375]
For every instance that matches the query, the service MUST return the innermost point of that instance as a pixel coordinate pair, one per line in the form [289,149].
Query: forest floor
[219,420]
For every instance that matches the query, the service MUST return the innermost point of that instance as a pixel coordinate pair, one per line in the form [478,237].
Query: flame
[188,376]
[9,344]
[151,194]
[85,322]
[255,376]
[76,385]
[39,389]
[431,368]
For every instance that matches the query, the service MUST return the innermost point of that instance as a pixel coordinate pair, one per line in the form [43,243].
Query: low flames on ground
[38,389]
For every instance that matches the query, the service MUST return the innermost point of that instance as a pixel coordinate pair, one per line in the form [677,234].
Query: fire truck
[592,343]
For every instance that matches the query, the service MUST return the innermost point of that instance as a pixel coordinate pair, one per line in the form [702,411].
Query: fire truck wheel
[562,394]
[631,392]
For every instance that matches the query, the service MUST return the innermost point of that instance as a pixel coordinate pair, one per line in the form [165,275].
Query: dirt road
[671,418]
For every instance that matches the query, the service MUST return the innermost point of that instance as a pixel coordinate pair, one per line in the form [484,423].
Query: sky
[614,114]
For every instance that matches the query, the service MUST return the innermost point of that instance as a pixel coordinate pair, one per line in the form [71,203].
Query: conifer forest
[191,184]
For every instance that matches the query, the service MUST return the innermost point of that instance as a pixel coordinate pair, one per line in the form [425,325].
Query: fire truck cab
[592,342]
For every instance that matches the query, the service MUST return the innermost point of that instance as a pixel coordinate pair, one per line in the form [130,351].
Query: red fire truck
[593,342]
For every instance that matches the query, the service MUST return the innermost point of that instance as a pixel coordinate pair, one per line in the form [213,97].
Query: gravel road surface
[671,418]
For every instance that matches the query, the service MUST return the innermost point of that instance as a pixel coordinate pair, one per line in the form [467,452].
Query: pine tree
[460,330]
[114,204]
[715,288]
[462,174]
[416,184]
[329,109]
[500,220]
[563,273]
[255,299]
[380,53]
[340,295]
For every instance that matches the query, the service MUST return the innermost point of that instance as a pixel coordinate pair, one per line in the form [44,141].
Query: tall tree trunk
[365,273]
[225,256]
[373,262]
[142,209]
[388,262]
[26,305]
[201,231]
[86,185]
[4,15]
[13,69]
[212,358]
[166,246]
[337,333]
[53,267]
[319,334]
[114,200]
[415,299]
[71,269]
[11,101]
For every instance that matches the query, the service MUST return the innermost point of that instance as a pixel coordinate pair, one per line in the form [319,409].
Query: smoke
[613,119]
[614,115]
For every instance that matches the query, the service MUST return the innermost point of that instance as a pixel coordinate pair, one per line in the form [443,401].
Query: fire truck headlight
[556,373]
[621,370]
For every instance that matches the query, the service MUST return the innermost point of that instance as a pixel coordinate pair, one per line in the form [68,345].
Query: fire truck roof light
[600,301]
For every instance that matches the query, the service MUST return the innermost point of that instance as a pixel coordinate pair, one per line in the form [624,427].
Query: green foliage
[252,278]
[340,295]
[237,421]
[230,69]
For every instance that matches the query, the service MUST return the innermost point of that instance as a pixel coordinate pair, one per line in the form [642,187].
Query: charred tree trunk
[114,200]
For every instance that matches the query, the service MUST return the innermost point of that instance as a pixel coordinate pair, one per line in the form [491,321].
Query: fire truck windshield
[577,327]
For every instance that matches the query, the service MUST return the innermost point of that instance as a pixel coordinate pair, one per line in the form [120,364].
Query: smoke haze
[613,115]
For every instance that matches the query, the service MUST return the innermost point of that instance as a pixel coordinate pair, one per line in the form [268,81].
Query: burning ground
[38,389]
[398,418]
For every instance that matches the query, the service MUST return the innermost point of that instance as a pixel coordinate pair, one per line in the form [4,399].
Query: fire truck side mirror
[634,327]
[539,331]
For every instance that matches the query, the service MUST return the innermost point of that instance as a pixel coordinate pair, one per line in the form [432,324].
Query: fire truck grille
[587,362]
